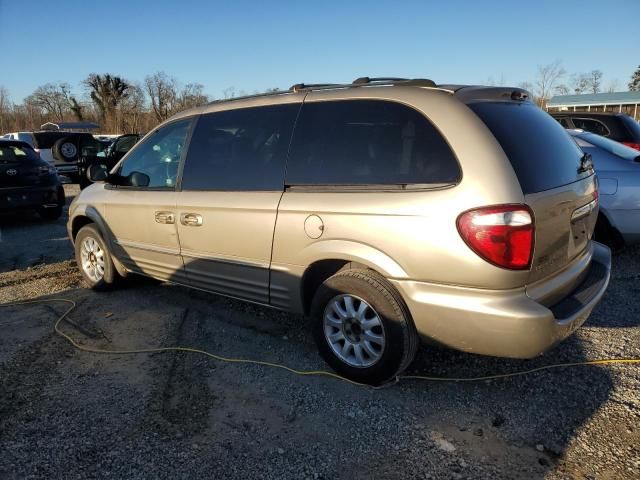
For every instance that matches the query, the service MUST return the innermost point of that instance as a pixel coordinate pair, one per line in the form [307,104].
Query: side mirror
[97,173]
[137,179]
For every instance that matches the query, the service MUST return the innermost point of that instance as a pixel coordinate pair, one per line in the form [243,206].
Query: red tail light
[632,145]
[502,235]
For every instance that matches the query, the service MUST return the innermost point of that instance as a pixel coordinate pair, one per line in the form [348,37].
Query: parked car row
[387,210]
[70,152]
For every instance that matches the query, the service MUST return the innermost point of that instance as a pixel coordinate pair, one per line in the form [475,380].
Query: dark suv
[27,182]
[616,126]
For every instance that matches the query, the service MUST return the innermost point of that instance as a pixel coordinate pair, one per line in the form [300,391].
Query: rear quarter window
[541,152]
[368,143]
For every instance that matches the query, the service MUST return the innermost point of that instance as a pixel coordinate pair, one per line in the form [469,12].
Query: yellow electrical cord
[56,326]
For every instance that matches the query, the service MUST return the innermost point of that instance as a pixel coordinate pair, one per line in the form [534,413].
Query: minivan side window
[159,155]
[240,150]
[368,142]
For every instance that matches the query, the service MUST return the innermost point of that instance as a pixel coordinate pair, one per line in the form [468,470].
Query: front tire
[362,327]
[94,259]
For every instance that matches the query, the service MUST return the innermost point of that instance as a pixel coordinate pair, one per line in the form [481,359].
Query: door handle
[191,219]
[165,217]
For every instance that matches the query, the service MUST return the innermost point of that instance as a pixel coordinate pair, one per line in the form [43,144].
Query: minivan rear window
[541,152]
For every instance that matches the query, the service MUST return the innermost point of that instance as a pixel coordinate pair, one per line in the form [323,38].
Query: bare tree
[76,108]
[580,82]
[546,80]
[229,92]
[191,95]
[614,85]
[53,99]
[133,110]
[163,92]
[492,82]
[107,92]
[595,80]
[562,89]
[4,108]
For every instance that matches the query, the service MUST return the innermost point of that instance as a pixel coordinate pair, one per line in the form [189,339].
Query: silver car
[618,169]
[385,209]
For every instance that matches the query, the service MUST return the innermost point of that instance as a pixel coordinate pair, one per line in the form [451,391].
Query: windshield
[610,146]
[16,154]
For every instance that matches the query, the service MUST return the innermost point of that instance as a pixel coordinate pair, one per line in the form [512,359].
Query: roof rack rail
[302,86]
[410,82]
[367,81]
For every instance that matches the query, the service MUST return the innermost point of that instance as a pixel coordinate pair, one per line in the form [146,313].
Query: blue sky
[254,45]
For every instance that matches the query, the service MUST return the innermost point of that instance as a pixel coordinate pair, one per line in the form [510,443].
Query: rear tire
[362,327]
[94,259]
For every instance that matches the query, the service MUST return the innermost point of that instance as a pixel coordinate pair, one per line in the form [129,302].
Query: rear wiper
[586,163]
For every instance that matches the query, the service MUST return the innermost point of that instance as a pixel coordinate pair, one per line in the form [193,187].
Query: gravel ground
[70,414]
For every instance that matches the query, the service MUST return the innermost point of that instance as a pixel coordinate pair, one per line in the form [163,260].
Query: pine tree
[634,84]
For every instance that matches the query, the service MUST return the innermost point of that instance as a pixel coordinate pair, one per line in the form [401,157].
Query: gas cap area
[313,226]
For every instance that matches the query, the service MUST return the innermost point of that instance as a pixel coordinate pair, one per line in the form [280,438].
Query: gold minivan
[386,209]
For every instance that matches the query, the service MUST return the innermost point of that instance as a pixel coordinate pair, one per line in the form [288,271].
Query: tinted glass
[591,126]
[368,142]
[46,140]
[17,154]
[124,144]
[242,149]
[25,137]
[159,155]
[611,146]
[633,128]
[542,153]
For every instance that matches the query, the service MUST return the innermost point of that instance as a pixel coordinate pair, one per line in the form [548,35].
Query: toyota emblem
[12,171]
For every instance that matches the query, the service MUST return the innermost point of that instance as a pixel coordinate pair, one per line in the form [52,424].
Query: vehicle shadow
[620,307]
[520,427]
[26,240]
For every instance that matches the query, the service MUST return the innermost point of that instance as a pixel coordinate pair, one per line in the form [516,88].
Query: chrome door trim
[231,260]
[148,247]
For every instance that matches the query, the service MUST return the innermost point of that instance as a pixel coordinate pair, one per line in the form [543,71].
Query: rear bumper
[503,323]
[50,196]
